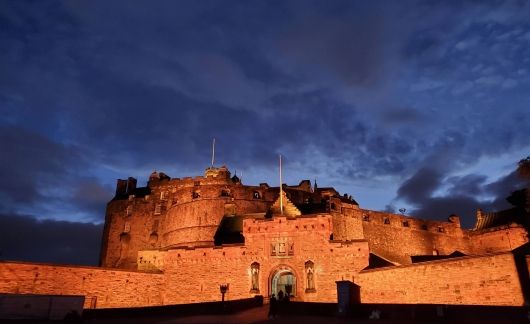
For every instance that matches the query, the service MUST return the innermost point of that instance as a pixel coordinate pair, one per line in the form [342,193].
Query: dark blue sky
[420,105]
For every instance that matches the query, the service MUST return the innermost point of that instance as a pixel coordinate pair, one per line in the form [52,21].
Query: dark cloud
[30,161]
[24,238]
[420,186]
[463,194]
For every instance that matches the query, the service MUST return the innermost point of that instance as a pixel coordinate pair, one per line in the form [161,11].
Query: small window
[440,229]
[163,195]
[158,209]
[155,225]
[366,218]
[225,193]
[197,183]
[129,210]
[424,227]
[406,224]
[196,195]
[127,227]
[256,195]
[387,221]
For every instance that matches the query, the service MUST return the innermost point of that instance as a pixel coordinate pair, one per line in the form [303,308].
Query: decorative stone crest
[282,247]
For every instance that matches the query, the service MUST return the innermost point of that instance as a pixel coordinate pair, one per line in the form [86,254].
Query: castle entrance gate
[283,279]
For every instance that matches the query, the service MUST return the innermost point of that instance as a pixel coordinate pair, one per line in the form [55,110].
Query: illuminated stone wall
[483,280]
[497,239]
[171,216]
[194,275]
[107,288]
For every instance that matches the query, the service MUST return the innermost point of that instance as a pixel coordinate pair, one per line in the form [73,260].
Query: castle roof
[289,209]
[505,217]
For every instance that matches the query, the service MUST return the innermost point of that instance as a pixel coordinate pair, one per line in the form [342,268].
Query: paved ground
[260,315]
[253,315]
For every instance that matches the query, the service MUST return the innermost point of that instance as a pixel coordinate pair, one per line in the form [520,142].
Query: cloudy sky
[418,105]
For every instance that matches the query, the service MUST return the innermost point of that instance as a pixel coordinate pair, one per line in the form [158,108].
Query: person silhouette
[273,307]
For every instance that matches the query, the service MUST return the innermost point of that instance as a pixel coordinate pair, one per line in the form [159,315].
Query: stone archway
[280,279]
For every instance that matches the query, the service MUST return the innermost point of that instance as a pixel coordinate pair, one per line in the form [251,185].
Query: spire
[315,186]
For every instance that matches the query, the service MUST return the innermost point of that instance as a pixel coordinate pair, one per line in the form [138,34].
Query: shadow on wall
[521,257]
[210,308]
[419,312]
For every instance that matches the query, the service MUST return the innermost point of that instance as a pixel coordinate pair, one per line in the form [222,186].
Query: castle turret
[131,186]
[121,187]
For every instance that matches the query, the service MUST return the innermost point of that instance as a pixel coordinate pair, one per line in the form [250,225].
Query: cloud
[420,186]
[24,238]
[462,194]
[29,161]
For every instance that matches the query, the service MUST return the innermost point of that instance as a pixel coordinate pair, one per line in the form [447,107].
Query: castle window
[195,195]
[225,193]
[158,209]
[256,195]
[197,183]
[127,227]
[129,210]
[406,224]
[440,229]
[163,195]
[366,218]
[155,225]
[424,227]
[387,221]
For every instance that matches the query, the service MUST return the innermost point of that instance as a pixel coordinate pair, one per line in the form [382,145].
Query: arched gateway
[282,278]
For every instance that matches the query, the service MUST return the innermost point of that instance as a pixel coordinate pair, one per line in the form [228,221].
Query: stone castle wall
[497,239]
[195,275]
[199,272]
[102,288]
[171,216]
[482,280]
[398,237]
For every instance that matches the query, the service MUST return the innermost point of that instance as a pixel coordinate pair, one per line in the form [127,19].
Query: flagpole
[281,187]
[213,151]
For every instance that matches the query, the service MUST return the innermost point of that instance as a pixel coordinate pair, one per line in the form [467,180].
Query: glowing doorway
[283,280]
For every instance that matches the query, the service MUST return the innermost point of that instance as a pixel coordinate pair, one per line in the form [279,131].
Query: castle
[179,240]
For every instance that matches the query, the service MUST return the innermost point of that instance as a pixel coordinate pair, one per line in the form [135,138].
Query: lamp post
[223,288]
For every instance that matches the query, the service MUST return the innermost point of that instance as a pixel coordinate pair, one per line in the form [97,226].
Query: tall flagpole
[281,187]
[213,151]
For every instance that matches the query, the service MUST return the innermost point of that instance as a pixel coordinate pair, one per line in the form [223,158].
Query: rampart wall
[102,288]
[497,239]
[482,280]
[397,237]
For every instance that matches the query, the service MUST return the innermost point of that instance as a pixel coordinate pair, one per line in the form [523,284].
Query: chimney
[131,186]
[121,187]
